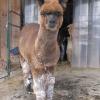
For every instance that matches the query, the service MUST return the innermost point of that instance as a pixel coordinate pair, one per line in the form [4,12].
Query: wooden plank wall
[3,22]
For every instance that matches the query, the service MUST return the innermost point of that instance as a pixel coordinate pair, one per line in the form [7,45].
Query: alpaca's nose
[52,21]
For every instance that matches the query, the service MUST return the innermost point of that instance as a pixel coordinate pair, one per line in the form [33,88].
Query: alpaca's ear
[40,2]
[63,3]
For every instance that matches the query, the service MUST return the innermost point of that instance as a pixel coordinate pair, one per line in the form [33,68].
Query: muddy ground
[71,84]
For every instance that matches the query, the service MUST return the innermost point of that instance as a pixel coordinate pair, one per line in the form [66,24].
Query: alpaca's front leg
[50,86]
[44,86]
[39,86]
[27,75]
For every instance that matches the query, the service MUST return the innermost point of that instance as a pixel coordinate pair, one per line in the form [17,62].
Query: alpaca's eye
[51,13]
[45,13]
[58,14]
[48,13]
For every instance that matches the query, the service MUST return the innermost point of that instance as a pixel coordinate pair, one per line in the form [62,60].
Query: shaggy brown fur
[37,45]
[39,49]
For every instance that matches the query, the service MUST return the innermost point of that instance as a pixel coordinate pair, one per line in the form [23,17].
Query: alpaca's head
[51,14]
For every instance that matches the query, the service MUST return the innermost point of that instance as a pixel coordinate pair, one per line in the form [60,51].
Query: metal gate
[28,13]
[10,29]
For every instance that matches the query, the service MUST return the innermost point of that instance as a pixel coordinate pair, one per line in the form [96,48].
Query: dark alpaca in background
[63,34]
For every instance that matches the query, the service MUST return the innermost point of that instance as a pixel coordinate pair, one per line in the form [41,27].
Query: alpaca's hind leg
[27,75]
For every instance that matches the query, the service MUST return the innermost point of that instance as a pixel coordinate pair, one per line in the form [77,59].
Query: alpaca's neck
[46,41]
[46,47]
[46,37]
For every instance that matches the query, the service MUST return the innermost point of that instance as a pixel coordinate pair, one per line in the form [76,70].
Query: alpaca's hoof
[29,88]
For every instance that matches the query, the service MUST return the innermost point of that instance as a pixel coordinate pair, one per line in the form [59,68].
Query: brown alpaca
[39,49]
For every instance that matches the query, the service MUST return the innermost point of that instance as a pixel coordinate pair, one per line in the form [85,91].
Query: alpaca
[63,36]
[39,51]
[73,33]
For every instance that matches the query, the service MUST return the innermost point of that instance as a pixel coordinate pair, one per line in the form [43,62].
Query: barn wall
[31,11]
[3,22]
[86,42]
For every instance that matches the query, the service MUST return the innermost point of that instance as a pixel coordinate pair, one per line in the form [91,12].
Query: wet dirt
[71,84]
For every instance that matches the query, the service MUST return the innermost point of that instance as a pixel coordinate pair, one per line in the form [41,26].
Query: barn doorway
[29,11]
[68,14]
[63,34]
